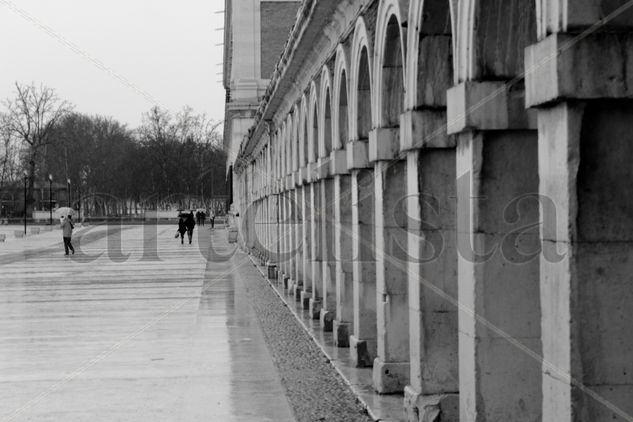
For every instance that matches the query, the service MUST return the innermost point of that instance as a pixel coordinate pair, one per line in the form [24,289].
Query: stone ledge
[424,129]
[338,162]
[562,67]
[357,157]
[488,105]
[384,144]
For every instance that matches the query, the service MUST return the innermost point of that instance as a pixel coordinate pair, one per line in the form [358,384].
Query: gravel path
[314,388]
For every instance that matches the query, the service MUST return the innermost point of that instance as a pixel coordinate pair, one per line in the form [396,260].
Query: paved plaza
[148,331]
[137,327]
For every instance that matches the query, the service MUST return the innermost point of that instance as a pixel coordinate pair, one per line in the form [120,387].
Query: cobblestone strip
[314,388]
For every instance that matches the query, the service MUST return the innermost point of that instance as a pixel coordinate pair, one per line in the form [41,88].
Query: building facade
[446,185]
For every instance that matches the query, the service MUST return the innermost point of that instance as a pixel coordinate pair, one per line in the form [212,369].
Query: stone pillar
[432,248]
[391,366]
[586,184]
[298,242]
[328,267]
[343,249]
[306,234]
[498,248]
[317,250]
[363,340]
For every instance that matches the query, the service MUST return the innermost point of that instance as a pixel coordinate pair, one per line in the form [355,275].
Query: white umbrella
[64,211]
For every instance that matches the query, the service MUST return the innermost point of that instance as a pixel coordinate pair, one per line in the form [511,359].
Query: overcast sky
[149,51]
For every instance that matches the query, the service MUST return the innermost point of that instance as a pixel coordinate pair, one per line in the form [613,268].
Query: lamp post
[50,199]
[26,178]
[68,192]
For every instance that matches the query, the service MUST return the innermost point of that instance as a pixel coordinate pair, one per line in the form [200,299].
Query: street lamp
[26,178]
[68,193]
[50,199]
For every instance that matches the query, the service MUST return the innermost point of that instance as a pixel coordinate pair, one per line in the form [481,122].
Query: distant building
[254,35]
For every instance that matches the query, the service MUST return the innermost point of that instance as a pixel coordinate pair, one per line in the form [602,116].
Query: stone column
[328,268]
[498,248]
[343,246]
[586,183]
[363,340]
[298,229]
[432,267]
[391,366]
[316,250]
[306,234]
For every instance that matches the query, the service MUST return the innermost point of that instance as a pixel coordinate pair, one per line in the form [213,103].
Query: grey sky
[165,49]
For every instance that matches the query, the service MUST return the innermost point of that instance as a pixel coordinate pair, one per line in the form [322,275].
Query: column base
[306,295]
[341,333]
[390,377]
[271,271]
[431,408]
[315,308]
[326,318]
[363,352]
[298,289]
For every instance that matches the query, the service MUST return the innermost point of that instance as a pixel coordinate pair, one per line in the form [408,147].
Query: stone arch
[295,137]
[282,147]
[290,143]
[492,37]
[325,114]
[389,65]
[360,93]
[303,133]
[553,16]
[340,100]
[430,45]
[313,122]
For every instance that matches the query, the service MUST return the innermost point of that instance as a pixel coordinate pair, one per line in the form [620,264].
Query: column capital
[487,105]
[565,67]
[338,162]
[424,128]
[357,157]
[384,144]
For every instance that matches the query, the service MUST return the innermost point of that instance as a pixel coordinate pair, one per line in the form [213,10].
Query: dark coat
[190,223]
[182,228]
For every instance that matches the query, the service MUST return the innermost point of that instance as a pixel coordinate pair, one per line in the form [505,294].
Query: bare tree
[8,153]
[31,117]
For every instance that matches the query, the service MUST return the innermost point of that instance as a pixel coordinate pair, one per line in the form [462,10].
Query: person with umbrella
[190,223]
[67,233]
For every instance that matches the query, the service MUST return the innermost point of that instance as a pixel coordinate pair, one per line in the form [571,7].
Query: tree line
[170,160]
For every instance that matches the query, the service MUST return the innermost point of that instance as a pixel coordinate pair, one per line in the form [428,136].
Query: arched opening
[392,76]
[327,127]
[304,127]
[315,133]
[364,96]
[342,112]
[504,29]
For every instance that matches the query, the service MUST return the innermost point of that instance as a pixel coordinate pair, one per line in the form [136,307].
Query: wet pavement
[134,327]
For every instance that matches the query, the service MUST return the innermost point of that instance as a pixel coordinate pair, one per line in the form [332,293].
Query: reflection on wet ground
[135,327]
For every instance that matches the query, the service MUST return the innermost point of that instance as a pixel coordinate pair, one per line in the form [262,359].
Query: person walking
[190,223]
[67,233]
[182,229]
[212,220]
